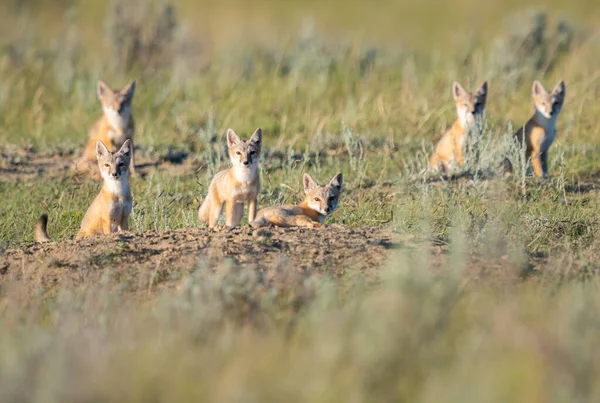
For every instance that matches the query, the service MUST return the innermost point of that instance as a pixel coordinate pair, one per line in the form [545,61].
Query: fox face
[116,104]
[113,166]
[548,104]
[244,154]
[323,199]
[469,106]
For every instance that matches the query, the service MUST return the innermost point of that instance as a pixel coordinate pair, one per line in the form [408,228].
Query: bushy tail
[204,210]
[40,234]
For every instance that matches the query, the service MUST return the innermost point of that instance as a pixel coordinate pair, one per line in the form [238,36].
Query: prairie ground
[468,288]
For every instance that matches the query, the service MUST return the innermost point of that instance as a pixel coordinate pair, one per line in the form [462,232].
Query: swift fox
[319,203]
[109,212]
[235,185]
[469,107]
[115,126]
[539,132]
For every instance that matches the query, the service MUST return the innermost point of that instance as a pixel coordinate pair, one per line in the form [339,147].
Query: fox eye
[106,165]
[252,152]
[331,199]
[238,153]
[317,199]
[121,164]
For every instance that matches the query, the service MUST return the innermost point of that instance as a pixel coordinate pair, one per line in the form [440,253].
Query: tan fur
[109,212]
[319,203]
[236,185]
[112,129]
[469,107]
[540,131]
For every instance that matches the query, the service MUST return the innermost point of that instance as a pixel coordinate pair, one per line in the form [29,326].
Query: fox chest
[118,209]
[542,137]
[245,191]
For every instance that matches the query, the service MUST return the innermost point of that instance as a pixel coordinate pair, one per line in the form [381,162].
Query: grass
[495,297]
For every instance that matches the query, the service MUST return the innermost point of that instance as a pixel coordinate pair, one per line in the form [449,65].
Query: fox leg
[252,206]
[544,158]
[238,213]
[230,212]
[459,157]
[305,222]
[214,211]
[536,163]
[124,224]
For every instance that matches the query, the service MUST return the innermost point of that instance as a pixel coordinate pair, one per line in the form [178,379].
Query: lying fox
[469,107]
[109,212]
[539,132]
[319,203]
[235,185]
[115,126]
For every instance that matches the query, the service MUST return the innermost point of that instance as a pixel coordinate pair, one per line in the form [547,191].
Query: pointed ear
[537,89]
[336,182]
[101,149]
[232,138]
[126,148]
[309,183]
[482,91]
[457,90]
[103,89]
[129,90]
[257,137]
[560,89]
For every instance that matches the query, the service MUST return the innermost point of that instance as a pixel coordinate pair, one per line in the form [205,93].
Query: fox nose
[246,162]
[327,209]
[115,174]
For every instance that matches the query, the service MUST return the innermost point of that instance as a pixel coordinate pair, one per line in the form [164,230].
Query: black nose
[115,174]
[327,209]
[246,162]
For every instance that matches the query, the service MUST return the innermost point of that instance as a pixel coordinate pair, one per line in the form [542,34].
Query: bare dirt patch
[162,256]
[27,164]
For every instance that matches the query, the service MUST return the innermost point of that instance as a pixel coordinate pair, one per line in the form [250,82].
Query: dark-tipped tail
[40,234]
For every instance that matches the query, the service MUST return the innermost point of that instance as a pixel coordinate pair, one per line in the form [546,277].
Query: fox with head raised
[236,185]
[539,132]
[110,210]
[115,126]
[318,204]
[470,107]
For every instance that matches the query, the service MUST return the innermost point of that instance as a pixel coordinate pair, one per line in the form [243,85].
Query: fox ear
[309,183]
[232,138]
[126,148]
[103,89]
[482,91]
[560,89]
[457,90]
[101,149]
[336,182]
[129,90]
[257,137]
[537,88]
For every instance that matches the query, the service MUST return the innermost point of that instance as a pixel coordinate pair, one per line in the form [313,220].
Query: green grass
[494,298]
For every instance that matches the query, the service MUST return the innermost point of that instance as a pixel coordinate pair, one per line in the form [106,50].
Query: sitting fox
[109,212]
[539,132]
[469,107]
[319,203]
[235,185]
[115,126]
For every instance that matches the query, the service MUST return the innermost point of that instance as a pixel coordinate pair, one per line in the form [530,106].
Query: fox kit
[539,132]
[115,126]
[109,212]
[235,185]
[469,107]
[319,203]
